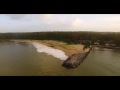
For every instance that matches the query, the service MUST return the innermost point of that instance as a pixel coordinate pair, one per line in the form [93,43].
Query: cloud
[62,19]
[47,15]
[16,16]
[59,22]
[77,22]
[44,16]
[50,23]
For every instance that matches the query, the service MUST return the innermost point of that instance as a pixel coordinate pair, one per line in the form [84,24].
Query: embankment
[76,59]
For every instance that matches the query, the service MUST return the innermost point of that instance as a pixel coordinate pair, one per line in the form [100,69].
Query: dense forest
[69,37]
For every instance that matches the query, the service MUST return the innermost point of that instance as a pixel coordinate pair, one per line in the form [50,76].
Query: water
[50,51]
[22,59]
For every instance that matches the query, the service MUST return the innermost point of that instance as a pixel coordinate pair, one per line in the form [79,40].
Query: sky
[59,22]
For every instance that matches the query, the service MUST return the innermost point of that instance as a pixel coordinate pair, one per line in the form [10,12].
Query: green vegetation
[102,42]
[68,37]
[57,43]
[86,45]
[117,41]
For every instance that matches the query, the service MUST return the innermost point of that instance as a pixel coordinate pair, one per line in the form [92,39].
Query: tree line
[69,37]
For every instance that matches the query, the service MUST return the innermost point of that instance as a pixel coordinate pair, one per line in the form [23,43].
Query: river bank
[73,54]
[68,49]
[106,47]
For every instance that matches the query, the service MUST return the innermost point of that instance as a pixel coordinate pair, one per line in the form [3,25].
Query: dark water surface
[22,59]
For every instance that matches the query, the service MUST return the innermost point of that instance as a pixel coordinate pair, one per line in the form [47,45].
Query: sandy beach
[67,49]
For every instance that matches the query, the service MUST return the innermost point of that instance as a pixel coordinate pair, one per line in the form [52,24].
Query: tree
[93,40]
[117,41]
[86,45]
[101,42]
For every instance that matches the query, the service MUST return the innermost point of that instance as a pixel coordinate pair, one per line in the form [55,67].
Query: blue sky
[59,22]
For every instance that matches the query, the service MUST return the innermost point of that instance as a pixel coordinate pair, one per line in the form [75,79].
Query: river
[23,59]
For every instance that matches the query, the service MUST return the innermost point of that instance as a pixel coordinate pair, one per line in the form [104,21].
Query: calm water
[22,59]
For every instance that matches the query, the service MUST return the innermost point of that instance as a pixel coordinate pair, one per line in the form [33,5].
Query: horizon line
[66,31]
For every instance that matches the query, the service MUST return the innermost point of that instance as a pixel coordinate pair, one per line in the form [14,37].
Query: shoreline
[78,47]
[106,48]
[72,57]
[50,51]
[69,50]
[54,48]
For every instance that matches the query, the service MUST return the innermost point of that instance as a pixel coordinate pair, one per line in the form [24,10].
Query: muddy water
[23,59]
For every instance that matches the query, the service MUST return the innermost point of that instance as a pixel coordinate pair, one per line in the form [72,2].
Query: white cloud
[48,15]
[77,22]
[59,22]
[44,16]
[51,22]
[62,19]
[16,16]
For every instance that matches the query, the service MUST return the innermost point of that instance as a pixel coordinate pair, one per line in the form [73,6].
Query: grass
[57,43]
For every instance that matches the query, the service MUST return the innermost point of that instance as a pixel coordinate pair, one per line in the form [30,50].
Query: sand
[65,50]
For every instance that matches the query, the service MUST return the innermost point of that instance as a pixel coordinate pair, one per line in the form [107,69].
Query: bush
[86,45]
[101,42]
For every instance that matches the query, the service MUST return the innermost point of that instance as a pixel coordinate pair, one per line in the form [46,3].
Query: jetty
[76,59]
